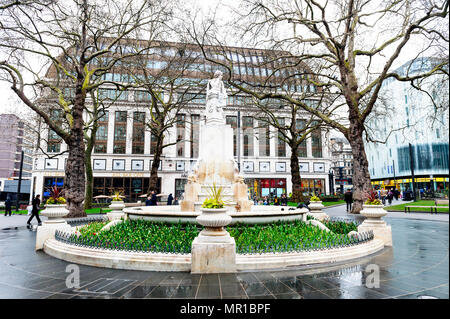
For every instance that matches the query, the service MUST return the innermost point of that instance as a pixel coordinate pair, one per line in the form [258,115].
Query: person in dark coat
[8,206]
[153,201]
[276,201]
[148,202]
[283,200]
[35,212]
[169,199]
[348,197]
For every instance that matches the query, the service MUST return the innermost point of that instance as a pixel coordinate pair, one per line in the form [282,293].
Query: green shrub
[151,236]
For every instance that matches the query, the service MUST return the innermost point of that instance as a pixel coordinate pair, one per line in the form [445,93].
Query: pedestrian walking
[35,212]
[175,202]
[8,206]
[169,199]
[383,196]
[390,196]
[348,197]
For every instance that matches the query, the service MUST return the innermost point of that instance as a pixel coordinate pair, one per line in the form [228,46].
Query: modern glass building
[415,130]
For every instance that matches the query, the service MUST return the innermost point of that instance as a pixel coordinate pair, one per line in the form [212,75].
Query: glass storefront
[133,187]
[261,187]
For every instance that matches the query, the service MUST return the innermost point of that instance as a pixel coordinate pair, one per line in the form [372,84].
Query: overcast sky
[9,103]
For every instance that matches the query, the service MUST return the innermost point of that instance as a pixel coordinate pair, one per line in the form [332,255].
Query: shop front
[437,184]
[270,187]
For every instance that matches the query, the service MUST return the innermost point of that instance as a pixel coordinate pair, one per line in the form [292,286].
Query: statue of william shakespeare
[216,99]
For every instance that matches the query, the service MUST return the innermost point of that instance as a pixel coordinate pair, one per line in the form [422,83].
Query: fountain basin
[257,214]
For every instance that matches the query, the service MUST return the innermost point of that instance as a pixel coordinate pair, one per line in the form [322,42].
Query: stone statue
[216,99]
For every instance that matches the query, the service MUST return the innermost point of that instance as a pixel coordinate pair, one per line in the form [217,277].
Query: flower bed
[141,235]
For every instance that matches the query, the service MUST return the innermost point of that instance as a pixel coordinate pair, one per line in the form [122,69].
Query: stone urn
[315,210]
[55,214]
[117,210]
[374,212]
[214,220]
[374,222]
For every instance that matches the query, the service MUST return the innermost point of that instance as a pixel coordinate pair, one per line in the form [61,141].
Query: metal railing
[289,247]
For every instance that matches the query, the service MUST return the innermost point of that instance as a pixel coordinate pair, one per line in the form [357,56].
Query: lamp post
[20,182]
[331,180]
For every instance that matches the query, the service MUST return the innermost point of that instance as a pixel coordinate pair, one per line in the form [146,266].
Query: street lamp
[331,180]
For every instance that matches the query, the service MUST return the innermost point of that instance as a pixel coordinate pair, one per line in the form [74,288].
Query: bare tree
[167,78]
[351,48]
[57,47]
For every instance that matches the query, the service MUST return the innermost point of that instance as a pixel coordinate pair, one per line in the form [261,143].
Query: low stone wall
[120,259]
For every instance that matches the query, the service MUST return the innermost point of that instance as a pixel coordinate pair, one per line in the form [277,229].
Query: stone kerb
[61,248]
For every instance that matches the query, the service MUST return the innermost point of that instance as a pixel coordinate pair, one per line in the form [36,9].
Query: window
[281,144]
[53,140]
[264,138]
[195,135]
[440,156]
[138,133]
[302,148]
[247,127]
[181,119]
[316,142]
[120,132]
[423,156]
[232,120]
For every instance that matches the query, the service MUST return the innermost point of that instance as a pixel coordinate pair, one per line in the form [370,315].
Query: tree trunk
[153,185]
[297,195]
[361,175]
[89,181]
[75,170]
[88,164]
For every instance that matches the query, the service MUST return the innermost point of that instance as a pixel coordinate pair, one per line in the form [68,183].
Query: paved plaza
[417,265]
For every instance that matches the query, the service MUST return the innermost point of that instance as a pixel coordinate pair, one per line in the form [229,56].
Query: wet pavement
[417,265]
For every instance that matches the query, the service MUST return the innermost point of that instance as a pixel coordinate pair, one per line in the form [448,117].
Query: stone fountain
[216,164]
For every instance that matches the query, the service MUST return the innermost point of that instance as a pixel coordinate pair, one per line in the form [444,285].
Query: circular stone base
[182,262]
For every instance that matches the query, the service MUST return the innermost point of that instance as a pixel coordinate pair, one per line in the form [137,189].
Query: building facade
[342,163]
[15,137]
[124,149]
[419,128]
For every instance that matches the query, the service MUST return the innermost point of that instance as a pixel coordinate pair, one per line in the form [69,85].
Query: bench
[408,208]
[435,207]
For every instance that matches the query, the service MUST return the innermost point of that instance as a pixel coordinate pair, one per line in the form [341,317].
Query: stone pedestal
[55,221]
[373,221]
[213,250]
[315,210]
[213,254]
[117,210]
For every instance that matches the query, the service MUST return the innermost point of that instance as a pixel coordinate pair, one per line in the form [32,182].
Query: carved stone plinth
[213,250]
[117,210]
[55,221]
[315,210]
